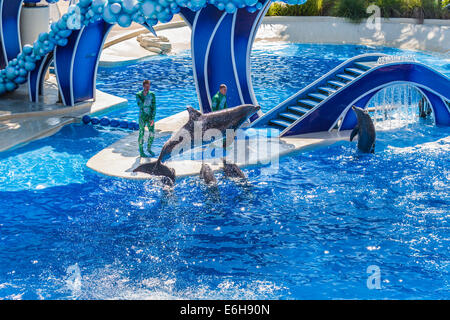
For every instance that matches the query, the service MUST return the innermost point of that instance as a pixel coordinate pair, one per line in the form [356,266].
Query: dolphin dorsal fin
[193,114]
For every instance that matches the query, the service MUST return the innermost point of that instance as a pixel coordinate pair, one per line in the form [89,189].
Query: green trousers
[145,122]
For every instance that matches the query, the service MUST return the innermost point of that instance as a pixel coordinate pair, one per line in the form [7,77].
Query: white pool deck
[22,121]
[122,48]
[122,157]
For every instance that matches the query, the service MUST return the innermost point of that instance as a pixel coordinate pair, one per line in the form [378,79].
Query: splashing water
[395,107]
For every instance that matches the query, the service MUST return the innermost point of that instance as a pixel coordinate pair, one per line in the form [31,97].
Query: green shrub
[355,10]
[274,9]
[391,8]
[328,7]
[310,8]
[432,9]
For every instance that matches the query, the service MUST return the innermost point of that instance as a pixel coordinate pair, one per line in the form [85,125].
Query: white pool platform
[122,157]
[22,121]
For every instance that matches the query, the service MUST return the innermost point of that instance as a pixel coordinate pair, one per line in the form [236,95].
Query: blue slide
[320,106]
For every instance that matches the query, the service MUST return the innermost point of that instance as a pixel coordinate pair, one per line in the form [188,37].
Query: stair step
[366,65]
[337,83]
[290,116]
[309,103]
[280,123]
[318,96]
[327,90]
[297,109]
[346,77]
[355,71]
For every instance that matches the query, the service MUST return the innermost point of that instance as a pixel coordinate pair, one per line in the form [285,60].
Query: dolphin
[231,118]
[231,170]
[365,131]
[158,169]
[207,175]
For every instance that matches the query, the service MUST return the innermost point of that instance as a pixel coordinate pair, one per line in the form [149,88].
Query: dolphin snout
[257,108]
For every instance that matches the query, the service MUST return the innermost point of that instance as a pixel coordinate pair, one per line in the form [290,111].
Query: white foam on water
[41,168]
[111,282]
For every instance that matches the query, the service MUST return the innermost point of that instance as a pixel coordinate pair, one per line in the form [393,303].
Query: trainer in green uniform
[147,110]
[219,101]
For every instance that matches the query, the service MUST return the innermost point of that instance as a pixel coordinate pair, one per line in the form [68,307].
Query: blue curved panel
[323,117]
[242,38]
[221,45]
[220,63]
[37,76]
[188,15]
[10,30]
[246,26]
[203,30]
[76,63]
[85,62]
[440,108]
[63,59]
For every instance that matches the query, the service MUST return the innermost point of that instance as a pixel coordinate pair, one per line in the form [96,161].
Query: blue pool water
[307,230]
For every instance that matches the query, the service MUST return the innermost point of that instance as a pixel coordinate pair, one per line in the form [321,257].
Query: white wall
[33,21]
[433,35]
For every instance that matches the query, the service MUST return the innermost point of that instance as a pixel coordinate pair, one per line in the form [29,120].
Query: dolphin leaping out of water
[221,121]
[365,131]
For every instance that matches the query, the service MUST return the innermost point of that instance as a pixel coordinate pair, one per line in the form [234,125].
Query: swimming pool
[308,230]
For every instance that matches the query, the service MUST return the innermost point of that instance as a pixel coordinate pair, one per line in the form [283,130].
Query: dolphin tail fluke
[146,167]
[157,168]
[354,133]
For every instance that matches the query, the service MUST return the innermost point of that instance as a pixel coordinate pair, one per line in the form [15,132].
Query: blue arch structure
[221,45]
[435,87]
[321,105]
[9,30]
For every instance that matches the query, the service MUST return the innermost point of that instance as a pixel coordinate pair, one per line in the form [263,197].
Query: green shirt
[219,102]
[147,104]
